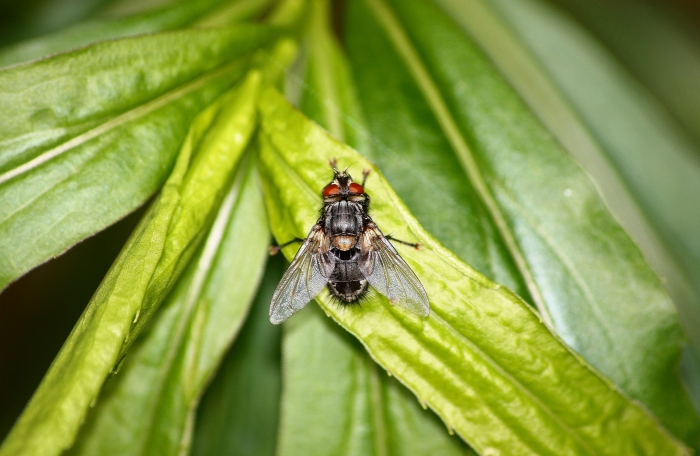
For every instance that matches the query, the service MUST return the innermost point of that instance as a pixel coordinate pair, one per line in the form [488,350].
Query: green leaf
[180,14]
[482,360]
[633,129]
[421,71]
[331,383]
[87,136]
[149,406]
[233,11]
[561,117]
[239,411]
[548,103]
[656,44]
[649,149]
[141,277]
[21,20]
[422,163]
[330,380]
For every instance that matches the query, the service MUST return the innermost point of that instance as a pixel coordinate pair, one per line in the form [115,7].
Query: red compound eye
[356,188]
[331,189]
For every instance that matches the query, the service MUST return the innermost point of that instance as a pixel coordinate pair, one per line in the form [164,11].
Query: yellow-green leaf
[87,136]
[149,406]
[482,360]
[143,274]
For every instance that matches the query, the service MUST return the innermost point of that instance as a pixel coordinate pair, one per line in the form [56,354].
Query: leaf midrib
[103,128]
[515,382]
[115,122]
[578,280]
[378,405]
[402,44]
[458,265]
[199,281]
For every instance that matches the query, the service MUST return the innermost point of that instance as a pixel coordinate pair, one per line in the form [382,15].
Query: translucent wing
[389,274]
[305,278]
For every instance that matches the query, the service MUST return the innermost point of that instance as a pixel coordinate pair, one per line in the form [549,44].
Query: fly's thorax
[343,223]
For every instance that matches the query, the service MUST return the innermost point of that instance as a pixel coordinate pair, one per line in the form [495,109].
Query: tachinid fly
[347,252]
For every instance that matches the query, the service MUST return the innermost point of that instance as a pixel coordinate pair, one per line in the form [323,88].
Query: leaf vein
[115,122]
[428,87]
[514,381]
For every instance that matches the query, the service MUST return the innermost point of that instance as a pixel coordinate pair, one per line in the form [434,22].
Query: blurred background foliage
[654,44]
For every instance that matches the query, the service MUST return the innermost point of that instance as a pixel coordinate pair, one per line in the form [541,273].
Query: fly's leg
[365,173]
[415,245]
[274,249]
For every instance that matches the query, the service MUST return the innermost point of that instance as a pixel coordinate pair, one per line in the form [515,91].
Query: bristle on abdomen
[348,292]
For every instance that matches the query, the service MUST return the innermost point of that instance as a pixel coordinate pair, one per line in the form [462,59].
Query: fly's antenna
[334,163]
[365,173]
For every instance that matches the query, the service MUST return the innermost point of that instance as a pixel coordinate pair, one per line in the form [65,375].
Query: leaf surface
[482,360]
[509,36]
[538,90]
[632,127]
[87,136]
[338,401]
[177,15]
[145,271]
[330,381]
[656,44]
[584,273]
[149,406]
[239,412]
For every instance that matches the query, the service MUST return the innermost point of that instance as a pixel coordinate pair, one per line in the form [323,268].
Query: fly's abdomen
[347,282]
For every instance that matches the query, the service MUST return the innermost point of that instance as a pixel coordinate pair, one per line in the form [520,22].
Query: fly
[346,252]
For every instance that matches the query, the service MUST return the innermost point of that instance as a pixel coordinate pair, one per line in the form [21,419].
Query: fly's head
[342,188]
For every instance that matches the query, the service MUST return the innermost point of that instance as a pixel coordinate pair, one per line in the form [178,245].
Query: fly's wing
[387,272]
[305,278]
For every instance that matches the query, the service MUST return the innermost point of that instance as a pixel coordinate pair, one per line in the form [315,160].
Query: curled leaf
[143,274]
